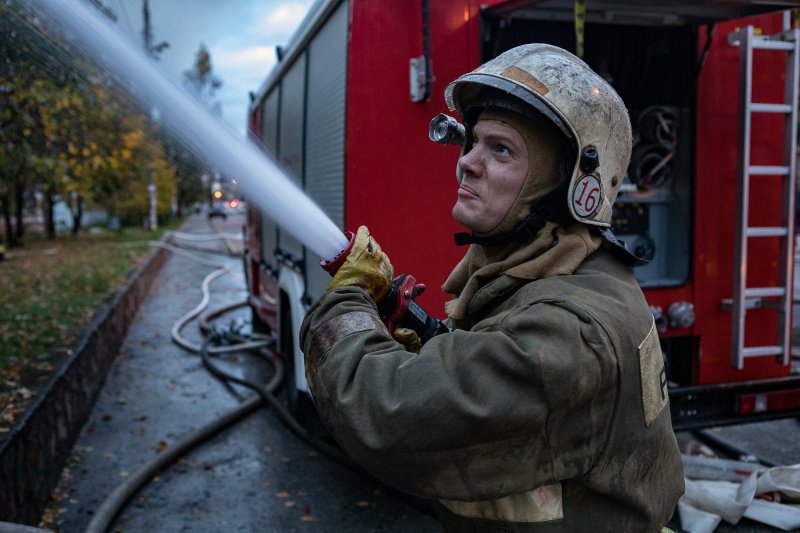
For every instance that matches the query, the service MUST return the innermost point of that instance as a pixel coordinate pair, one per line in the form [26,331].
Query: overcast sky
[240,34]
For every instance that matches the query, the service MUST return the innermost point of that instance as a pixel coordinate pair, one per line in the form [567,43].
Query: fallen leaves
[13,398]
[47,294]
[291,503]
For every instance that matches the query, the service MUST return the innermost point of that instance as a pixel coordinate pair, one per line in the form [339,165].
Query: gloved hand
[408,338]
[366,266]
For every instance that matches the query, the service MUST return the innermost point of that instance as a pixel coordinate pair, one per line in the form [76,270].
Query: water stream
[262,181]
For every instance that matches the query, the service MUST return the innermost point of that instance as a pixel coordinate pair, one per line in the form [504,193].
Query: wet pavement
[255,476]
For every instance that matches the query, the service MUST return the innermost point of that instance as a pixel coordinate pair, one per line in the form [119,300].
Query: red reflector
[769,401]
[747,404]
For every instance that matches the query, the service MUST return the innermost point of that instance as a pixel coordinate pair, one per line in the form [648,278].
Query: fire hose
[260,178]
[112,505]
[264,394]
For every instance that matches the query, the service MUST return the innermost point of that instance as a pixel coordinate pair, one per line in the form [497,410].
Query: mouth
[467,191]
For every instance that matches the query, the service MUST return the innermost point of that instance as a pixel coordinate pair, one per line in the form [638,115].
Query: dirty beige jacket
[549,414]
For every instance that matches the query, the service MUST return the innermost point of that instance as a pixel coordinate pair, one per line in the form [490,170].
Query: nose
[471,163]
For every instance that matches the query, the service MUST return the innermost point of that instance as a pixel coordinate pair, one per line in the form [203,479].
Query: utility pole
[152,222]
[153,50]
[147,32]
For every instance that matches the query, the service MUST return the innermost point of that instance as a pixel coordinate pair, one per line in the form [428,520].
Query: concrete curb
[34,452]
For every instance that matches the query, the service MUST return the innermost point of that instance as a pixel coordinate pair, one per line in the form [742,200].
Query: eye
[502,149]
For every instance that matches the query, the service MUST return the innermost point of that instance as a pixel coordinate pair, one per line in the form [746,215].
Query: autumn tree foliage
[68,132]
[201,80]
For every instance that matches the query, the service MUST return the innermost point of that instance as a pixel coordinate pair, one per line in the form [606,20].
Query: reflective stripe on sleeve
[323,339]
[541,504]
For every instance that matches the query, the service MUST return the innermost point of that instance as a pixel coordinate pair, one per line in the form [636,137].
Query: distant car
[217,211]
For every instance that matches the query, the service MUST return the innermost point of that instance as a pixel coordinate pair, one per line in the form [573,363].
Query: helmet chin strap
[552,206]
[543,210]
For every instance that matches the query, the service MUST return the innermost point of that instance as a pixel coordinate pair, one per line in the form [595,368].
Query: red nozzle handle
[334,264]
[403,290]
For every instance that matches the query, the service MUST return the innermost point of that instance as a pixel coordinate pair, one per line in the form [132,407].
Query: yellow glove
[366,266]
[408,338]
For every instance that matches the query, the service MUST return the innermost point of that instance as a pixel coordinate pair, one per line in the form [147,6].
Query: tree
[154,50]
[189,170]
[202,81]
[30,73]
[203,84]
[68,132]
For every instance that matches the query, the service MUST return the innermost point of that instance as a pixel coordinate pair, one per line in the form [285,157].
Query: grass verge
[49,291]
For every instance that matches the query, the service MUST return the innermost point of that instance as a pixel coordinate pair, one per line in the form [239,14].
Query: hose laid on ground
[188,317]
[205,324]
[283,414]
[185,319]
[264,394]
[730,449]
[124,492]
[330,451]
[8,527]
[205,236]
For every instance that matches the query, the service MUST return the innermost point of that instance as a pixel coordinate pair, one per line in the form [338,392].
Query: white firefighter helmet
[578,101]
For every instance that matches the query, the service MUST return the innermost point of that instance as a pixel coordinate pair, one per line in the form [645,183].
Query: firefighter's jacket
[549,414]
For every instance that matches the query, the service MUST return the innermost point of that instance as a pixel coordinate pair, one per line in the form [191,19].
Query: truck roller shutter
[325,122]
[290,149]
[269,137]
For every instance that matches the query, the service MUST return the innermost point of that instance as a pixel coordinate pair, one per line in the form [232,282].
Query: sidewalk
[256,476]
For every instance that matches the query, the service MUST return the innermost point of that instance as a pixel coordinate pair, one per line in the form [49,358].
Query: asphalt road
[255,476]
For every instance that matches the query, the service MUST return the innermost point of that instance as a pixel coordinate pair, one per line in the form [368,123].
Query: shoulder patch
[653,375]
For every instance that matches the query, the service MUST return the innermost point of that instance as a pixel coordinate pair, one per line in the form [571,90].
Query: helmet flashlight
[445,129]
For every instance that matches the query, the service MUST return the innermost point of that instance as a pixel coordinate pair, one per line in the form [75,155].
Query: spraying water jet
[264,183]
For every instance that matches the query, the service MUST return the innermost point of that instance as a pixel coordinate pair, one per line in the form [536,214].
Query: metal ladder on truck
[779,297]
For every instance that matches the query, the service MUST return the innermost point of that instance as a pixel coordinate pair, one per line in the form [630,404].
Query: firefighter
[545,408]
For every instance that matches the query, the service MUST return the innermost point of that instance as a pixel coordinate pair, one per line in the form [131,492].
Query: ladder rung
[764,292]
[760,351]
[768,171]
[767,232]
[770,108]
[769,44]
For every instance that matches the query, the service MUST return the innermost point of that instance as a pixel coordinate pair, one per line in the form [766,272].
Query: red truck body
[674,63]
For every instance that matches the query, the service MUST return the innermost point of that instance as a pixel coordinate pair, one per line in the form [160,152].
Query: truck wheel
[259,326]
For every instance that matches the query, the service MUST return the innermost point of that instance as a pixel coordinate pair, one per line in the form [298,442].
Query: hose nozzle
[333,265]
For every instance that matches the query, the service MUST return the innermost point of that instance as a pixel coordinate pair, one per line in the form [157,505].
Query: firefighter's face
[492,175]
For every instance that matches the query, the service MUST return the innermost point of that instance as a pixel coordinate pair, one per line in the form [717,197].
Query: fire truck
[709,197]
